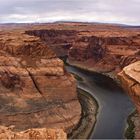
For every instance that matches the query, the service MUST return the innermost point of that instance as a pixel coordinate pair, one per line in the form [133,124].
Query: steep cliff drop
[106,55]
[130,80]
[102,48]
[35,89]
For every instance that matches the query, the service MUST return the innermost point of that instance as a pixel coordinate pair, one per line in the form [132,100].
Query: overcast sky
[110,11]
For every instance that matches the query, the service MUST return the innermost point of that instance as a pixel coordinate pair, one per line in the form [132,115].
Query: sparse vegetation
[64,59]
[88,119]
[130,131]
[77,77]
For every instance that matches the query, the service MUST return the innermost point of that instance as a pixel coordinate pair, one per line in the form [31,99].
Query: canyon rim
[69,69]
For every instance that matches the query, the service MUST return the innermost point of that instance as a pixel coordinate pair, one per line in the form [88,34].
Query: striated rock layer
[100,48]
[35,89]
[97,47]
[60,41]
[105,54]
[6,133]
[130,81]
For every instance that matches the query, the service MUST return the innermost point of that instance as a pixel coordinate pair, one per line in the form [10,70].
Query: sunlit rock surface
[130,80]
[6,133]
[35,89]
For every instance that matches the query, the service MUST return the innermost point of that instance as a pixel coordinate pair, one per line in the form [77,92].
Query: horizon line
[86,22]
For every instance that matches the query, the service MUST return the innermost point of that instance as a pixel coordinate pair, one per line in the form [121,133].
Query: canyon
[96,47]
[130,80]
[36,91]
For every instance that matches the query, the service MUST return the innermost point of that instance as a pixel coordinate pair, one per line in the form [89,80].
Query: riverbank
[133,122]
[89,111]
[94,70]
[88,119]
[136,120]
[129,131]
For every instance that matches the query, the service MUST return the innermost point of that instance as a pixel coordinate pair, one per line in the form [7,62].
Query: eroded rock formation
[35,89]
[130,81]
[6,133]
[105,54]
[60,41]
[100,48]
[96,47]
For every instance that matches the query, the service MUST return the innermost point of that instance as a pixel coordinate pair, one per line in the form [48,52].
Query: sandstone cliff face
[35,89]
[100,48]
[60,41]
[105,54]
[42,133]
[130,81]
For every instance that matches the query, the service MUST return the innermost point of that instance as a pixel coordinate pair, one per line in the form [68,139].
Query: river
[114,104]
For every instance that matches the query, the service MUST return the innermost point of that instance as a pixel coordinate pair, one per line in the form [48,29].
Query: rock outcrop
[130,81]
[106,49]
[6,133]
[97,47]
[105,54]
[35,89]
[60,41]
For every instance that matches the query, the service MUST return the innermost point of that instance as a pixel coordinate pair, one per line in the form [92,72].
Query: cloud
[119,11]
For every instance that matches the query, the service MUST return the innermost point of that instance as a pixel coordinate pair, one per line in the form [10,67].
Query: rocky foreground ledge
[6,133]
[35,89]
[130,80]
